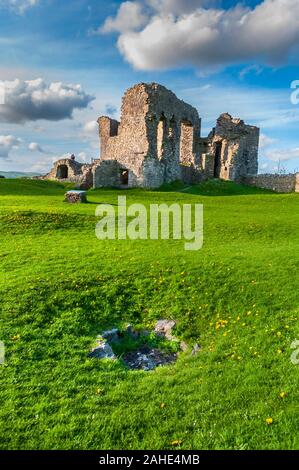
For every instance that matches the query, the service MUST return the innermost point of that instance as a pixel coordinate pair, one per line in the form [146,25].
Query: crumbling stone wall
[233,149]
[68,169]
[156,135]
[278,183]
[158,141]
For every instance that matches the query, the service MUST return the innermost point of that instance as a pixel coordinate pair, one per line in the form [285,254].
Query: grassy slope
[60,286]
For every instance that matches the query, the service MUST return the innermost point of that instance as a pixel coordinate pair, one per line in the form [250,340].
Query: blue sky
[216,55]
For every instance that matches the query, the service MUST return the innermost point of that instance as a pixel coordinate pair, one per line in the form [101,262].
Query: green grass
[238,298]
[128,343]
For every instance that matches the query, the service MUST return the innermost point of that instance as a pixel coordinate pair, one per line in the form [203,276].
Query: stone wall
[68,169]
[158,141]
[234,148]
[278,183]
[157,133]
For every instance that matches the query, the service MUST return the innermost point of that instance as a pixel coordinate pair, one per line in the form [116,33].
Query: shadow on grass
[214,187]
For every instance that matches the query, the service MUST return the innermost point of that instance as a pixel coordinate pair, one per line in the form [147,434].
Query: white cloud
[253,68]
[33,100]
[283,155]
[8,143]
[129,17]
[181,33]
[35,147]
[43,166]
[19,5]
[266,141]
[90,127]
[83,157]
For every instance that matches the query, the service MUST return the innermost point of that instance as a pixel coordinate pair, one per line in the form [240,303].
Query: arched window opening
[62,172]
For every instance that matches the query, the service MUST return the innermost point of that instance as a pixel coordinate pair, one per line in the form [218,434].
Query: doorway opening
[217,164]
[124,177]
[62,172]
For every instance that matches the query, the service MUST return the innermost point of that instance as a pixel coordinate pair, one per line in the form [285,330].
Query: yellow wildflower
[16,337]
[176,442]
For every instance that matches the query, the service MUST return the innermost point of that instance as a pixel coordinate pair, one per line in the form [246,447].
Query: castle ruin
[158,140]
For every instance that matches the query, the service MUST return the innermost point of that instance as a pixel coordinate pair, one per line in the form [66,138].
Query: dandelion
[16,337]
[221,324]
[269,421]
[162,405]
[283,394]
[279,351]
[176,442]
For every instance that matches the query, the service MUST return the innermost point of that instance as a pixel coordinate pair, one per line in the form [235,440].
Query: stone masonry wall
[158,141]
[68,169]
[147,141]
[278,183]
[234,147]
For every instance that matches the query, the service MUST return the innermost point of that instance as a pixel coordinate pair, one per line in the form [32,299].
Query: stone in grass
[184,346]
[164,328]
[147,358]
[196,349]
[133,333]
[102,350]
[111,335]
[75,196]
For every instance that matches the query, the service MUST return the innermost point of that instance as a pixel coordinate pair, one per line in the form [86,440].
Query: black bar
[136,459]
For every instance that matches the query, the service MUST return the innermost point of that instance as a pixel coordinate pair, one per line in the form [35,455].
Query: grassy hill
[238,298]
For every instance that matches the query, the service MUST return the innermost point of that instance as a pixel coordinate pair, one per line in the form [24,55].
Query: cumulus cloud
[130,16]
[8,143]
[19,5]
[34,99]
[35,147]
[191,32]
